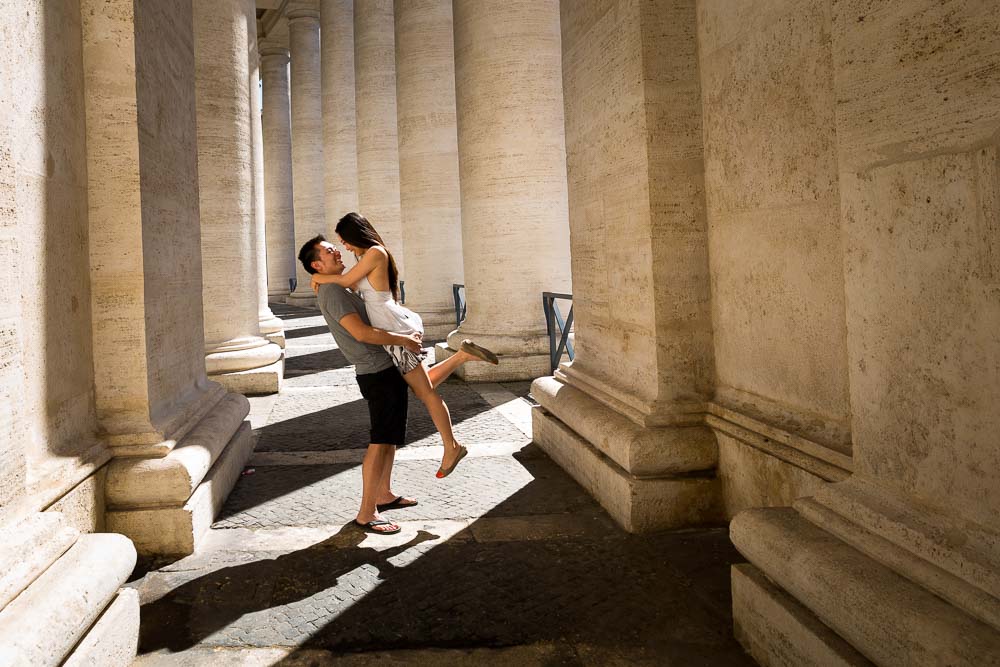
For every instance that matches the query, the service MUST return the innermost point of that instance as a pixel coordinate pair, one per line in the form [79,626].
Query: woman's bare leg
[420,382]
[438,373]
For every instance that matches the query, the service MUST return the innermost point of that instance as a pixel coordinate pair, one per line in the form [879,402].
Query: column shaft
[340,145]
[429,191]
[307,135]
[515,235]
[270,326]
[277,139]
[378,151]
[225,171]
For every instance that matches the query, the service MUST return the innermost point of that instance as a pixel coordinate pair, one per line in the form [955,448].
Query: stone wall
[47,419]
[775,243]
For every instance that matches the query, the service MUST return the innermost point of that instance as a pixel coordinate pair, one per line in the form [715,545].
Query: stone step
[28,547]
[114,639]
[43,624]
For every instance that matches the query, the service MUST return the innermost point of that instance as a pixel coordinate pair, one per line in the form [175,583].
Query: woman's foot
[376,524]
[395,503]
[450,460]
[479,352]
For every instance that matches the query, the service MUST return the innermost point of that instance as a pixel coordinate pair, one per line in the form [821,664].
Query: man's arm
[366,334]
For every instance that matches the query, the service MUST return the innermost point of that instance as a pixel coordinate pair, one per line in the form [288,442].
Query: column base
[301,300]
[114,639]
[278,338]
[638,504]
[256,381]
[777,630]
[438,323]
[278,295]
[870,604]
[512,367]
[178,530]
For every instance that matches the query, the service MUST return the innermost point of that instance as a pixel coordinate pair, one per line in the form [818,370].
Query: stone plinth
[378,151]
[307,135]
[430,196]
[512,164]
[277,139]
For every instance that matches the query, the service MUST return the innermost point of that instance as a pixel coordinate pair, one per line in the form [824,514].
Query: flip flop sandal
[444,472]
[370,527]
[396,504]
[479,352]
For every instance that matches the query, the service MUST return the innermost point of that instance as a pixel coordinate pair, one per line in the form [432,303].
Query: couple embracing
[382,339]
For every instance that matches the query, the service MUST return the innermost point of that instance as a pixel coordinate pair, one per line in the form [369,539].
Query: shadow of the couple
[172,622]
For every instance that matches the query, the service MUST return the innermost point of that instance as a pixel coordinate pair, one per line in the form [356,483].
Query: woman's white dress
[384,313]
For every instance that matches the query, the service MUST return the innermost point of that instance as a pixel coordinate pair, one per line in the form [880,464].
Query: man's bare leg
[384,493]
[372,469]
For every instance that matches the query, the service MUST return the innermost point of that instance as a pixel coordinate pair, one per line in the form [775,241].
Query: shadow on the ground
[307,331]
[315,362]
[664,594]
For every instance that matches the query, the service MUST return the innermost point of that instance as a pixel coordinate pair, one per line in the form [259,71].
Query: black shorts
[387,397]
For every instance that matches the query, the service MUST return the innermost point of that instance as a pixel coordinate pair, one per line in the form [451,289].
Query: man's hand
[314,285]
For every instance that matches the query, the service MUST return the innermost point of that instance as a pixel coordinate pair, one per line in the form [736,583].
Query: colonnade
[380,123]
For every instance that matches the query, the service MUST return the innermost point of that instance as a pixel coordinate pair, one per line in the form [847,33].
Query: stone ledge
[256,381]
[114,639]
[172,479]
[777,630]
[28,548]
[880,613]
[177,530]
[638,450]
[43,624]
[638,504]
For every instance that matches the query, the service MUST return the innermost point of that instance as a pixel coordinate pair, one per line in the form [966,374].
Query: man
[383,388]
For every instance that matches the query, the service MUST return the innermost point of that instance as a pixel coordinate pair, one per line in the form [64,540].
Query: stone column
[512,159]
[429,193]
[307,135]
[277,131]
[378,151]
[340,145]
[900,564]
[236,354]
[626,417]
[178,438]
[272,328]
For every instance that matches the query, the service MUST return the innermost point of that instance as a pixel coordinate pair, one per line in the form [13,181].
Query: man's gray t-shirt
[335,302]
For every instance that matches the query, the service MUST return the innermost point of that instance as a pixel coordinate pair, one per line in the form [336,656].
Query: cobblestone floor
[508,561]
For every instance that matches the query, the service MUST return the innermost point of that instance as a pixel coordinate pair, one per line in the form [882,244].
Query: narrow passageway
[506,561]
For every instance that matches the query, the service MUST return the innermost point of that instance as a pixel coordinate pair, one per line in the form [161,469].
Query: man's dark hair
[309,252]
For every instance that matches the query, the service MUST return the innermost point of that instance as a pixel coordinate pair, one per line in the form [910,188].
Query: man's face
[329,260]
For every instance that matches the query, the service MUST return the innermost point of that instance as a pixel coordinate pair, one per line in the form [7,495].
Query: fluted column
[277,131]
[340,146]
[271,327]
[307,135]
[430,198]
[378,152]
[237,355]
[512,157]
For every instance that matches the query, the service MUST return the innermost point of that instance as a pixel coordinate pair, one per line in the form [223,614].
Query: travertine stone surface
[340,144]
[47,417]
[270,325]
[637,388]
[225,173]
[378,151]
[512,165]
[901,559]
[28,547]
[277,131]
[773,212]
[307,134]
[43,624]
[430,197]
[114,639]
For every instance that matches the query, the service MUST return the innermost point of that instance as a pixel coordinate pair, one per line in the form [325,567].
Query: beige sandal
[479,352]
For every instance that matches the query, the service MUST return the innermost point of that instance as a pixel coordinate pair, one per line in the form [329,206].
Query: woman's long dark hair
[355,229]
